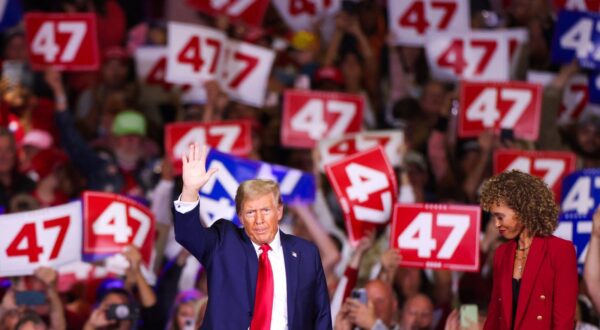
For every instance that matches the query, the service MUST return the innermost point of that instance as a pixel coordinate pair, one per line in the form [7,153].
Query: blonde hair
[251,189]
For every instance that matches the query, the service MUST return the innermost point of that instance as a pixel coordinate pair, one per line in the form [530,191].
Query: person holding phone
[535,281]
[37,293]
[370,308]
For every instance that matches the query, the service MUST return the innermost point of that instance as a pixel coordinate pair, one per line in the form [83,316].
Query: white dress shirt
[279,315]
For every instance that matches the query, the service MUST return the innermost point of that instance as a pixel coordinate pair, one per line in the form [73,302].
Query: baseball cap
[46,162]
[304,40]
[129,122]
[330,73]
[37,138]
[115,53]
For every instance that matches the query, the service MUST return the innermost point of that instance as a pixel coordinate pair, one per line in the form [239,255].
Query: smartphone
[30,298]
[468,316]
[360,295]
[122,312]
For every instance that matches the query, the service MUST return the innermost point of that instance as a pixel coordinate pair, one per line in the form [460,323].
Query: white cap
[37,138]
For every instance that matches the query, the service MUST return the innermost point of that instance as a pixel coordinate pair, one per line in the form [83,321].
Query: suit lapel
[291,258]
[532,265]
[507,264]
[251,268]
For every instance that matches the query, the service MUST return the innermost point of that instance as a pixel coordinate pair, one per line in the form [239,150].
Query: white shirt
[279,315]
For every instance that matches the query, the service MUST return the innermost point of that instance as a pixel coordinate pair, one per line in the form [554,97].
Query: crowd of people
[65,132]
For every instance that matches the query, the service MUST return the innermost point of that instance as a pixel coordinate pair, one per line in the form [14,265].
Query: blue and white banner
[579,199]
[11,13]
[217,196]
[576,36]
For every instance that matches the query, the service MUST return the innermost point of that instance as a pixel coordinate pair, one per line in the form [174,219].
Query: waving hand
[194,174]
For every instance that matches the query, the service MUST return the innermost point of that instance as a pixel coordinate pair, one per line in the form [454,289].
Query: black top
[516,287]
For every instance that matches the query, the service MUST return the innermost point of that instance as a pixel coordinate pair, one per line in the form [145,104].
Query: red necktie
[263,300]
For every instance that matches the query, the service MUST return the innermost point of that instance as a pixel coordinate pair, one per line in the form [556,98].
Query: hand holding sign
[310,116]
[365,185]
[577,36]
[50,236]
[510,105]
[411,20]
[477,55]
[112,222]
[67,41]
[437,236]
[550,166]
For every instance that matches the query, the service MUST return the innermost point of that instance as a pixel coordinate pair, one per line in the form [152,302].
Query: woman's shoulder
[559,245]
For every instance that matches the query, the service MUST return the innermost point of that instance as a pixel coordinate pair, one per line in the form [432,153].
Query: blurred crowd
[63,133]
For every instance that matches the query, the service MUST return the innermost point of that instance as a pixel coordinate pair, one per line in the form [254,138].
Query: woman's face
[506,221]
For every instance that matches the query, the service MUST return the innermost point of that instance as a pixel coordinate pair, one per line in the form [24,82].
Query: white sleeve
[184,207]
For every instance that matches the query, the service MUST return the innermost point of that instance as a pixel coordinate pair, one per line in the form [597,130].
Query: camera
[189,324]
[122,312]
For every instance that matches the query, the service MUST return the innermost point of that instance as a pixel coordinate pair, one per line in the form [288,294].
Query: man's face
[128,148]
[383,301]
[417,314]
[260,217]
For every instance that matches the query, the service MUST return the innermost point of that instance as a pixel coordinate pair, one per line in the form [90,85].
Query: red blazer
[549,286]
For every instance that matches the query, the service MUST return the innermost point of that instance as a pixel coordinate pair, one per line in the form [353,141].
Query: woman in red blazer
[535,273]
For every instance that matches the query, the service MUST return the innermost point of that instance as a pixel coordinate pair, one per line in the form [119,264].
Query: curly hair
[528,196]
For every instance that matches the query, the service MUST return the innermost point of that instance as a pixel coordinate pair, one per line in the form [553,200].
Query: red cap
[115,53]
[331,73]
[47,161]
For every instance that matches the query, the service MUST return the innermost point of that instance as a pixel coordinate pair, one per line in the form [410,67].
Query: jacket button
[543,297]
[539,317]
[499,299]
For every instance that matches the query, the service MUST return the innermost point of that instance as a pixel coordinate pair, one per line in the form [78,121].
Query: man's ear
[279,212]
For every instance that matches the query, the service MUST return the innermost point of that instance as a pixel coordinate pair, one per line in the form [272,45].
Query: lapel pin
[294,254]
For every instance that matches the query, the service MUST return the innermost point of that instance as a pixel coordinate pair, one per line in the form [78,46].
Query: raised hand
[194,171]
[47,275]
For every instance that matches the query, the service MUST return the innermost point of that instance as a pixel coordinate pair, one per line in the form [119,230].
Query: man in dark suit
[258,276]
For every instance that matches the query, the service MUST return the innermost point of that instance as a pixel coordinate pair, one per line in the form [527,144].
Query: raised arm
[189,232]
[57,313]
[591,270]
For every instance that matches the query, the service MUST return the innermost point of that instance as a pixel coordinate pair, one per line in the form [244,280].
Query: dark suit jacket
[549,286]
[232,268]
